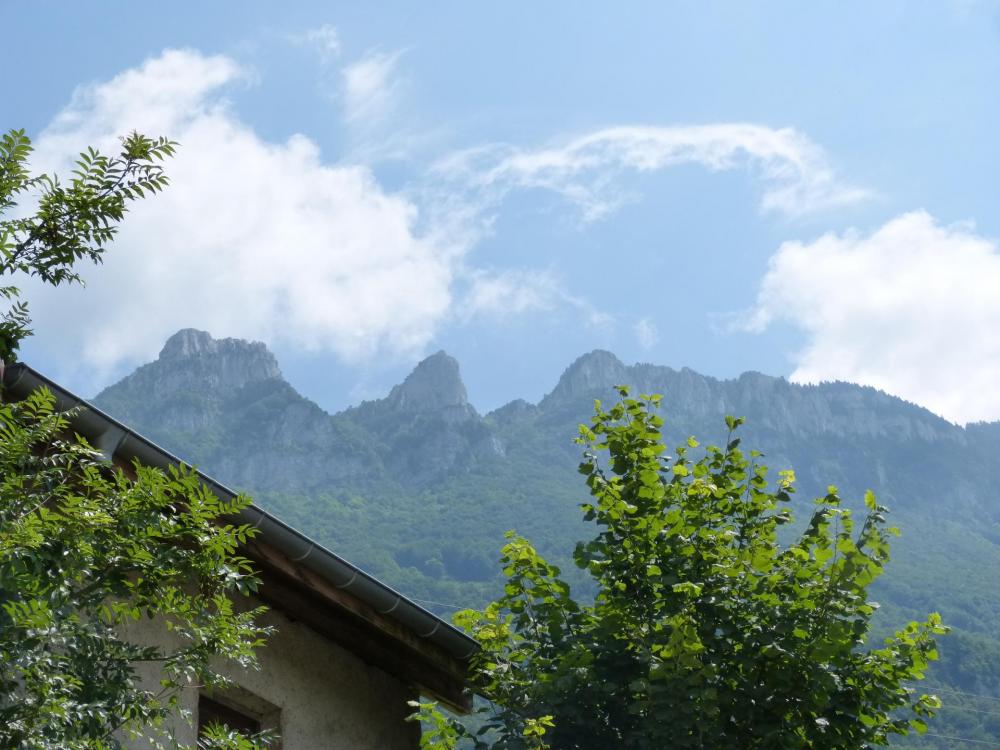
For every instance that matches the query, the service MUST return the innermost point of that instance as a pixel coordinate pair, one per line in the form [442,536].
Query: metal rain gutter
[112,437]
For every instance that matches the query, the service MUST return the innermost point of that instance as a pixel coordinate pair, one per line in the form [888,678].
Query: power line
[942,689]
[962,739]
[438,604]
[973,710]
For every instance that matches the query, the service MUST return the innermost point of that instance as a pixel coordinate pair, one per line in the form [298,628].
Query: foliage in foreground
[705,631]
[86,552]
[70,222]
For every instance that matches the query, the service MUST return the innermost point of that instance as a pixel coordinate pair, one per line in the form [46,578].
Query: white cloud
[252,238]
[514,292]
[795,172]
[371,87]
[178,87]
[646,333]
[912,308]
[509,292]
[266,240]
[324,39]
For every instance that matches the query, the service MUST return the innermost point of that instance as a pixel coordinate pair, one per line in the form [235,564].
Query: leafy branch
[68,223]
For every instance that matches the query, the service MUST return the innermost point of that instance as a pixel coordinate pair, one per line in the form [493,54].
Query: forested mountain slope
[418,487]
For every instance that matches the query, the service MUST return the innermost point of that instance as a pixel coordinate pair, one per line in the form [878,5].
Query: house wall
[328,698]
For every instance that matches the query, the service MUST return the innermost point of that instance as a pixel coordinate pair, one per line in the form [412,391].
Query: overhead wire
[973,710]
[437,604]
[962,739]
[942,689]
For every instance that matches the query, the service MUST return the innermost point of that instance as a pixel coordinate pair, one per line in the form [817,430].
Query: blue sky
[806,190]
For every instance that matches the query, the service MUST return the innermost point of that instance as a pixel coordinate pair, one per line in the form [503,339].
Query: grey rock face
[425,487]
[203,395]
[770,403]
[227,363]
[185,388]
[223,404]
[516,409]
[186,342]
[590,373]
[434,386]
[426,426]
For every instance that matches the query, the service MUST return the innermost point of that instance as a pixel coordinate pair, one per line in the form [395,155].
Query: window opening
[213,712]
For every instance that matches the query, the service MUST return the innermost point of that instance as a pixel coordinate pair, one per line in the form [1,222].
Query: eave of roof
[114,438]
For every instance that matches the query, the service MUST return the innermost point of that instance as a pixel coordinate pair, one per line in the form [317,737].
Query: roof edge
[110,435]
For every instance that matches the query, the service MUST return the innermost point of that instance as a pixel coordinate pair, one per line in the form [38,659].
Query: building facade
[348,651]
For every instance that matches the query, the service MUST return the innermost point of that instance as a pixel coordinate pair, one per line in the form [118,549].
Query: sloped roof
[285,549]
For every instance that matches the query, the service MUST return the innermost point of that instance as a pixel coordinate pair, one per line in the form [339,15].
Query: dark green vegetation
[705,631]
[419,488]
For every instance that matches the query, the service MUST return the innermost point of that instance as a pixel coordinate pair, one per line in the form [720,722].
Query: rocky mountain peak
[595,371]
[225,362]
[434,385]
[182,390]
[188,342]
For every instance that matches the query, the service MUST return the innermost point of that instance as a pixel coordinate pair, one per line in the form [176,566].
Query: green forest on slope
[418,488]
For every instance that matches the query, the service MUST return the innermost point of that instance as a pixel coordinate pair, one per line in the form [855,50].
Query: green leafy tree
[68,223]
[86,551]
[88,548]
[705,630]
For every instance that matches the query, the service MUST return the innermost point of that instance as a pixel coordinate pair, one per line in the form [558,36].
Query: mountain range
[419,487]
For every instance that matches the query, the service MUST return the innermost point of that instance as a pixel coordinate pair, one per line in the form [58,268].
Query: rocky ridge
[418,487]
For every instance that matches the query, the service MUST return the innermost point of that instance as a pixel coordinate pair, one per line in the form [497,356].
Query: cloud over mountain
[270,240]
[252,238]
[911,308]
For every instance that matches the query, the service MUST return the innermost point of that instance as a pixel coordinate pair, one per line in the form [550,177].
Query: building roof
[299,573]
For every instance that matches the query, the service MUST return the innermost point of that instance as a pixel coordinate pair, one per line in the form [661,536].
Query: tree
[69,223]
[88,548]
[85,550]
[704,631]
